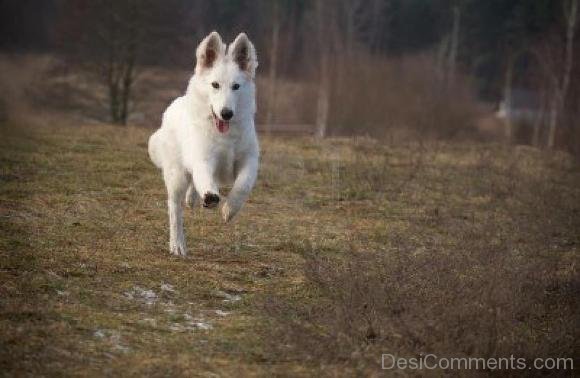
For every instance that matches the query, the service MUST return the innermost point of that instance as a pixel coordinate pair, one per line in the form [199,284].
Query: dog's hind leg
[191,196]
[176,182]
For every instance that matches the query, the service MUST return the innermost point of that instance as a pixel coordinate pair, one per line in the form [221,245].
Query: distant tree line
[499,44]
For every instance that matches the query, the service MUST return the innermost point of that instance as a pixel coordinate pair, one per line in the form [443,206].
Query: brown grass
[346,249]
[474,257]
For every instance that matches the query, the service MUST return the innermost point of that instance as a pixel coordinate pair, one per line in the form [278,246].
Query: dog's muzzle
[221,125]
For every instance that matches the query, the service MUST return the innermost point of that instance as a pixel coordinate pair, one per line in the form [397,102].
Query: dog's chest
[223,154]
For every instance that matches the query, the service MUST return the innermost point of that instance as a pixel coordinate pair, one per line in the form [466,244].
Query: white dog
[207,137]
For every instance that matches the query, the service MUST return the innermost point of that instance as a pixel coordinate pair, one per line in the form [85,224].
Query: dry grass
[426,233]
[83,228]
[461,251]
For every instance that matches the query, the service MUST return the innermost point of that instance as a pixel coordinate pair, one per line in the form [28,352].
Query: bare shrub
[405,96]
[21,77]
[494,283]
[294,103]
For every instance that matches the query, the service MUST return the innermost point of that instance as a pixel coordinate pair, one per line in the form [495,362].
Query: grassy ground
[87,286]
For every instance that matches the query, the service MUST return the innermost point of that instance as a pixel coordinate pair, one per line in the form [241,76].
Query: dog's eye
[215,85]
[236,86]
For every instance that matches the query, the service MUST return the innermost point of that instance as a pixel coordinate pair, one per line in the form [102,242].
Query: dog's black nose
[227,114]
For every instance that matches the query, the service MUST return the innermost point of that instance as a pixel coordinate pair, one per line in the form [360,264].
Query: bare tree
[449,46]
[512,56]
[454,45]
[507,94]
[323,101]
[352,25]
[121,37]
[562,81]
[109,38]
[378,12]
[540,119]
[272,74]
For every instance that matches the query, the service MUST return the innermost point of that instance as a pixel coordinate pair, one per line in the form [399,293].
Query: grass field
[346,249]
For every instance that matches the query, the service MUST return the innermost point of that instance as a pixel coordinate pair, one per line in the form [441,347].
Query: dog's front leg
[205,184]
[245,180]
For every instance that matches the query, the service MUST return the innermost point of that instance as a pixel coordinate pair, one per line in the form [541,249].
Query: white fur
[195,158]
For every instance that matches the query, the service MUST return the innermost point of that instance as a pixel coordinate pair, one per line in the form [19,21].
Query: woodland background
[386,68]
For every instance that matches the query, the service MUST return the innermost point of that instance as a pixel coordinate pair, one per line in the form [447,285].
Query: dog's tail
[153,148]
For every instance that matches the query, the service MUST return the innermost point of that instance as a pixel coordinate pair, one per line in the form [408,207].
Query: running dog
[207,138]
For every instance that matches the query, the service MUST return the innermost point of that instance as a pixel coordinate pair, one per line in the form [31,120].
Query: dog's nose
[227,114]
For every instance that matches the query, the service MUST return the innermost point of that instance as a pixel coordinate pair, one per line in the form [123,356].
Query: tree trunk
[323,83]
[377,19]
[454,44]
[272,75]
[553,118]
[350,32]
[323,99]
[441,57]
[114,102]
[559,101]
[538,122]
[126,92]
[507,97]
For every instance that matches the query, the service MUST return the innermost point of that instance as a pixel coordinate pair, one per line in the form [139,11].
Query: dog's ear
[208,51]
[243,53]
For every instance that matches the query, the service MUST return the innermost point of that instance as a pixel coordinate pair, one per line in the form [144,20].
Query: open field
[346,249]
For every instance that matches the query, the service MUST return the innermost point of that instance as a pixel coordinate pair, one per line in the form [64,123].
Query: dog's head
[227,77]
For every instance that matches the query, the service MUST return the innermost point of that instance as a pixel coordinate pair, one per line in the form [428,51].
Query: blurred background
[397,69]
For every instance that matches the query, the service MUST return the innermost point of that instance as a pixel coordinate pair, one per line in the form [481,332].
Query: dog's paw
[210,200]
[229,211]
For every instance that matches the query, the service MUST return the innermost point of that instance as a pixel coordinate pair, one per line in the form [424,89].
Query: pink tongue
[223,126]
